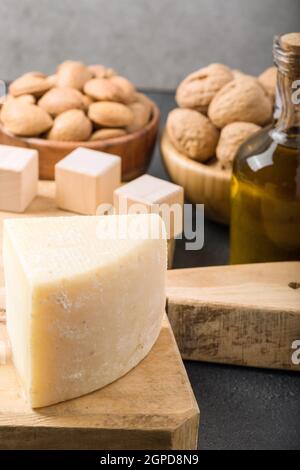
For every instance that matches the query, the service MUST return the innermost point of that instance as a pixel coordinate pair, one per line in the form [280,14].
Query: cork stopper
[291,42]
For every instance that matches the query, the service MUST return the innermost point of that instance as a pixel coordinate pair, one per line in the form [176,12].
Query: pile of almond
[79,103]
[219,109]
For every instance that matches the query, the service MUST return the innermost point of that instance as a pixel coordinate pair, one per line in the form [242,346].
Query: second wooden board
[245,315]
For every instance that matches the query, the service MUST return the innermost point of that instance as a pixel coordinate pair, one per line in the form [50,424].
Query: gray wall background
[155,43]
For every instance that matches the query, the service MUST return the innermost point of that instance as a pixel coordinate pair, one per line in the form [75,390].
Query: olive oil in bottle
[265,190]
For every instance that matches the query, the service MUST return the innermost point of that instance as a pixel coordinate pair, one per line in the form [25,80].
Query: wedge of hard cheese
[85,300]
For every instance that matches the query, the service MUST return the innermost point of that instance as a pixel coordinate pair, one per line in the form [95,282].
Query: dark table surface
[240,408]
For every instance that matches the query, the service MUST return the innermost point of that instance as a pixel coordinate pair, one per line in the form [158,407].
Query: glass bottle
[265,190]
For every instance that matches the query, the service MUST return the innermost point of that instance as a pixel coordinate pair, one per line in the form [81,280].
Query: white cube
[85,179]
[19,174]
[148,191]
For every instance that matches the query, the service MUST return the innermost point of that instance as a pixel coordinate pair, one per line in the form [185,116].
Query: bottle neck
[288,95]
[286,53]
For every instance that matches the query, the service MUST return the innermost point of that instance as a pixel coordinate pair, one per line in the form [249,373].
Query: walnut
[192,133]
[232,137]
[268,79]
[199,88]
[241,100]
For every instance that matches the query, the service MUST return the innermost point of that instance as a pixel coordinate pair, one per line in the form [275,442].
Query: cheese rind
[82,309]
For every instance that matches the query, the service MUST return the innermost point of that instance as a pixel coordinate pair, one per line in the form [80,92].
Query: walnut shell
[199,88]
[73,74]
[268,79]
[105,134]
[71,126]
[59,100]
[141,116]
[33,83]
[23,119]
[109,114]
[241,100]
[103,89]
[192,133]
[239,74]
[232,137]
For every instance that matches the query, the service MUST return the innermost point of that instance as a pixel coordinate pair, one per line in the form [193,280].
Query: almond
[100,71]
[232,137]
[52,79]
[192,133]
[71,126]
[29,99]
[103,89]
[25,119]
[141,98]
[73,75]
[105,134]
[38,74]
[141,116]
[108,114]
[87,101]
[199,88]
[268,79]
[31,83]
[128,89]
[241,100]
[59,100]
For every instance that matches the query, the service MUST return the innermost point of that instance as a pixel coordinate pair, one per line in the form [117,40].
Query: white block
[85,179]
[83,304]
[19,173]
[149,191]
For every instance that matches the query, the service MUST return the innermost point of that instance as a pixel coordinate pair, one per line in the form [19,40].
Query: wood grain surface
[152,407]
[245,315]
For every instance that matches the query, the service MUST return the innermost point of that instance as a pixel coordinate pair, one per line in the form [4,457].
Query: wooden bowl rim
[123,140]
[196,167]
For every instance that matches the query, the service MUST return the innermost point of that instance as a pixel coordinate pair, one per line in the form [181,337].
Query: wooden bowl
[135,149]
[205,184]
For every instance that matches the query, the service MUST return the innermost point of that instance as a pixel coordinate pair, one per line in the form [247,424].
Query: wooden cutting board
[152,407]
[245,315]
